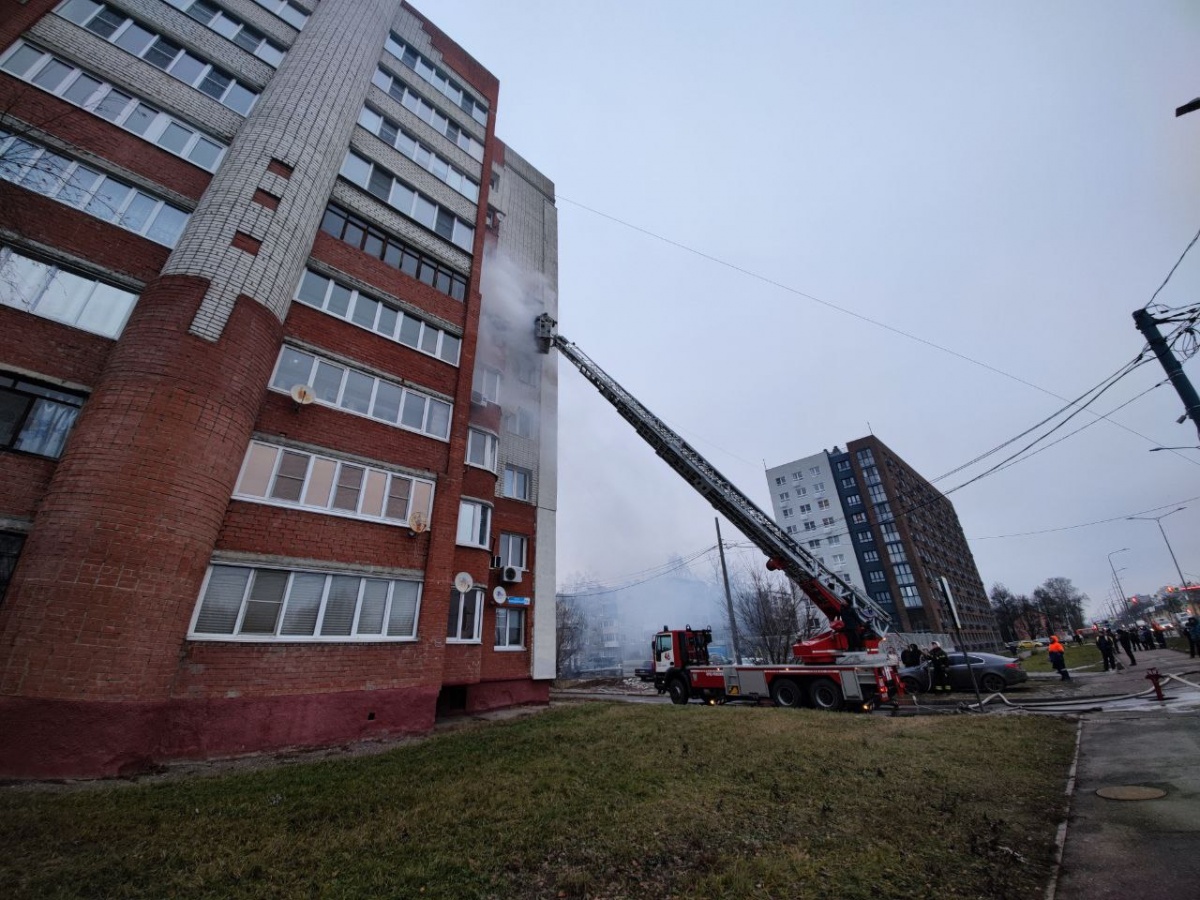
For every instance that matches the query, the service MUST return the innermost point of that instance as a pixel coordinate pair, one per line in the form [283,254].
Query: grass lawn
[596,800]
[1084,654]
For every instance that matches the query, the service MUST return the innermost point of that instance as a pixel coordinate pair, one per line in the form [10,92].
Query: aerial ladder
[857,622]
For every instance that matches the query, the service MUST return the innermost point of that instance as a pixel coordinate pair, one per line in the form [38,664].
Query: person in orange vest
[1057,653]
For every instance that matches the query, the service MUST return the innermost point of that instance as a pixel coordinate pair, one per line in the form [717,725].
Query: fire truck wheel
[824,693]
[678,689]
[786,692]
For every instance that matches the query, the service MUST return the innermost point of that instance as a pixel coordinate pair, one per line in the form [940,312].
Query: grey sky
[1004,180]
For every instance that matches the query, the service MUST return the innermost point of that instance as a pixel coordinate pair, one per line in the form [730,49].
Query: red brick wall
[88,132]
[49,222]
[50,349]
[23,480]
[109,576]
[16,17]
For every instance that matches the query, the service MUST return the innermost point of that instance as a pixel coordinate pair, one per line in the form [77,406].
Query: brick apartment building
[267,383]
[877,522]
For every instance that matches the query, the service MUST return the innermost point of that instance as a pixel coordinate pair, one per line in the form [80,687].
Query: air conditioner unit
[511,575]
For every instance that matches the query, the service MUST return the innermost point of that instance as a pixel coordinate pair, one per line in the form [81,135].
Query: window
[379,182]
[866,458]
[342,302]
[827,521]
[838,559]
[801,491]
[289,12]
[100,98]
[476,109]
[87,189]
[792,529]
[819,487]
[393,251]
[35,418]
[805,509]
[822,504]
[464,617]
[510,629]
[117,28]
[518,422]
[780,481]
[216,19]
[474,524]
[259,604]
[285,477]
[877,493]
[834,539]
[876,577]
[814,471]
[10,548]
[426,157]
[810,525]
[848,482]
[518,483]
[357,392]
[910,597]
[865,537]
[486,388]
[797,476]
[788,513]
[513,549]
[481,449]
[784,496]
[814,544]
[903,573]
[871,556]
[859,518]
[61,296]
[843,465]
[855,500]
[423,110]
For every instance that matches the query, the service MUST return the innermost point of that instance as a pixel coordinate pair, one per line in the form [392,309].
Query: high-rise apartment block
[867,515]
[277,451]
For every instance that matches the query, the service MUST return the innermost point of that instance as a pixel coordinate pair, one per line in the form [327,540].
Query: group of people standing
[1107,641]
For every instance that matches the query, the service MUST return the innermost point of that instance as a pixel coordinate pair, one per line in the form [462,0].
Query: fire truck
[841,668]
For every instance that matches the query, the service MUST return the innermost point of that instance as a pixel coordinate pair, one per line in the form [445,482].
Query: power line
[657,572]
[1191,244]
[996,537]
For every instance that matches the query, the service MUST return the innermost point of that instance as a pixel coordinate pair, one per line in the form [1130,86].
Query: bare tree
[771,614]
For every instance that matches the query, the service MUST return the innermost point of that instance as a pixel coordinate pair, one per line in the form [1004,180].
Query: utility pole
[733,632]
[1148,326]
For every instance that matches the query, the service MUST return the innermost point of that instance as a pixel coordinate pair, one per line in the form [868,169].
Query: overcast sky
[1007,181]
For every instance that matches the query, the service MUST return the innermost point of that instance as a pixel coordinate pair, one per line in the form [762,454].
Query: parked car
[645,672]
[993,672]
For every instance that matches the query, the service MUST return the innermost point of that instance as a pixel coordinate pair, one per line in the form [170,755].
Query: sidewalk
[1135,848]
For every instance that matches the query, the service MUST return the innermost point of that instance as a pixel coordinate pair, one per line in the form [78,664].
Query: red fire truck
[841,668]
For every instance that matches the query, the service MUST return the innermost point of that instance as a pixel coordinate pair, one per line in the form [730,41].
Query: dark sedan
[992,672]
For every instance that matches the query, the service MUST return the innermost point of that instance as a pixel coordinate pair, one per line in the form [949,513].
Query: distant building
[267,383]
[894,535]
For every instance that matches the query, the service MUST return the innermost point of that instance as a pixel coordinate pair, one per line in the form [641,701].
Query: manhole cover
[1130,792]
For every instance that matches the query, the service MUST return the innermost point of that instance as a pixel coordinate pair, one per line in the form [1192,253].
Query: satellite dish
[418,523]
[500,595]
[463,582]
[302,394]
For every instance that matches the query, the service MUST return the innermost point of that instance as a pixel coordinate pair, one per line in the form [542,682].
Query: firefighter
[940,663]
[911,656]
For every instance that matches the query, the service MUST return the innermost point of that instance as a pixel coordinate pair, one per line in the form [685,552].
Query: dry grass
[599,800]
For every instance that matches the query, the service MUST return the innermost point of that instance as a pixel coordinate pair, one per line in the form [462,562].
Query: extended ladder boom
[831,593]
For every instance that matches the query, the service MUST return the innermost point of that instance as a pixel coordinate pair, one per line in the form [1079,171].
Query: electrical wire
[1190,245]
[996,537]
[659,572]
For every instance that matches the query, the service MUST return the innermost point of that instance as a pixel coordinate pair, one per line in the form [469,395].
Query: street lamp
[1124,599]
[1157,521]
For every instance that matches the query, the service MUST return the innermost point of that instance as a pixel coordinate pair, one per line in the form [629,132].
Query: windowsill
[301,639]
[472,546]
[508,649]
[462,641]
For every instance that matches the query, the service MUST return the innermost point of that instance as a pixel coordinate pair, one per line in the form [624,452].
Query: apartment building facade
[277,452]
[904,535]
